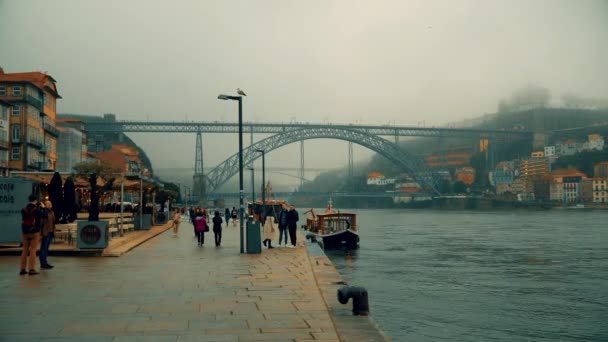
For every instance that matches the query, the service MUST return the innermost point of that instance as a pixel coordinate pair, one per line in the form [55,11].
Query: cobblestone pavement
[167,289]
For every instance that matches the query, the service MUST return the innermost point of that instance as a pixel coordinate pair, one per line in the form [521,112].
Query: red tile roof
[37,78]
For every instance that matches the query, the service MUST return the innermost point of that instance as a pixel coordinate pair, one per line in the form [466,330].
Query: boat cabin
[331,223]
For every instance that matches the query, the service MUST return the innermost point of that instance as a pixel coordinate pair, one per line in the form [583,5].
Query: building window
[15,153]
[16,109]
[15,132]
[2,90]
[16,91]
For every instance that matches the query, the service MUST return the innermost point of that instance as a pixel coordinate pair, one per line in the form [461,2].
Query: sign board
[92,234]
[13,197]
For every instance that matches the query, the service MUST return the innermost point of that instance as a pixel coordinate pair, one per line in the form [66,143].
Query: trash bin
[254,238]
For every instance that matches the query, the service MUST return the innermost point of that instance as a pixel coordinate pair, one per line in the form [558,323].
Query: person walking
[283,225]
[47,226]
[234,215]
[177,219]
[217,228]
[227,215]
[292,221]
[268,230]
[200,225]
[192,216]
[30,234]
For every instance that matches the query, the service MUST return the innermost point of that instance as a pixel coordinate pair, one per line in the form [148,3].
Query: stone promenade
[168,289]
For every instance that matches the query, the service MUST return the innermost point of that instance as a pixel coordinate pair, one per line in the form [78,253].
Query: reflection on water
[479,276]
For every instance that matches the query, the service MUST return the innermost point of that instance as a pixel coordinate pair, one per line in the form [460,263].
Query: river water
[483,276]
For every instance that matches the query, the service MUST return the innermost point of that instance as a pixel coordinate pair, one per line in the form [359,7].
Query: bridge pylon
[199,184]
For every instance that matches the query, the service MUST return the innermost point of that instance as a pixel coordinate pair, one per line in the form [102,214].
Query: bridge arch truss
[414,166]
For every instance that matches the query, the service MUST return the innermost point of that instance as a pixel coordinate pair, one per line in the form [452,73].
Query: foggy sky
[339,61]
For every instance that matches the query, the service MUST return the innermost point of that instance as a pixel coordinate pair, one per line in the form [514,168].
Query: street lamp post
[241,194]
[252,187]
[141,201]
[263,180]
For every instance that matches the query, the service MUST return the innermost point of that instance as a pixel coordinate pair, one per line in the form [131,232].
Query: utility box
[144,223]
[162,217]
[92,234]
[14,194]
[254,238]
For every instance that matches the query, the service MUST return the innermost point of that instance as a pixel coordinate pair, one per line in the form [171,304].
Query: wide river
[483,276]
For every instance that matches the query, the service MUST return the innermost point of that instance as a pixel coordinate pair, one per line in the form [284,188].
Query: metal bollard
[359,296]
[312,237]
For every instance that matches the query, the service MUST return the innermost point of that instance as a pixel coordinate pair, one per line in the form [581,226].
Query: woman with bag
[200,224]
[268,230]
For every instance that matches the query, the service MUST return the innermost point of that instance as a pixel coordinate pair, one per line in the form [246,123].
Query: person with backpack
[47,232]
[30,232]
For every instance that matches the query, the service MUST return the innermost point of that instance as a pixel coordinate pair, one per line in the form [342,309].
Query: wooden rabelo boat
[333,229]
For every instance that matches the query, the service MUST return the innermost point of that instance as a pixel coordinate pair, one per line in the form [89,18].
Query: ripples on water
[480,276]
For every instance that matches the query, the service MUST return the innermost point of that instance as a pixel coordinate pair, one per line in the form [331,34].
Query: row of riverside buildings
[34,138]
[535,178]
[527,179]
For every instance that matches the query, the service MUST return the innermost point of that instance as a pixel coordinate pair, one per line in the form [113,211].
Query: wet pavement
[167,289]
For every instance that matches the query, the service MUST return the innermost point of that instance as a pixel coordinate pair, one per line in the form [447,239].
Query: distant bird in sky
[240,92]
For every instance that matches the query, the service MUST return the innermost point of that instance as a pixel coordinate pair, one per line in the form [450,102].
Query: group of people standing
[37,226]
[287,221]
[199,218]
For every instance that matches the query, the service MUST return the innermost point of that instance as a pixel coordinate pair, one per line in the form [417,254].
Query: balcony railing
[34,102]
[4,144]
[52,130]
[3,163]
[34,165]
[35,142]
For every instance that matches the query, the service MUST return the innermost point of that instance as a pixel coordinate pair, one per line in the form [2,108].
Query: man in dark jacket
[30,232]
[292,222]
[282,220]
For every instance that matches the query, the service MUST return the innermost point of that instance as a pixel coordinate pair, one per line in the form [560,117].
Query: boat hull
[346,239]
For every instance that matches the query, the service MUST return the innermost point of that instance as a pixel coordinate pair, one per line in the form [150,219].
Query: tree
[103,170]
[70,209]
[94,207]
[169,190]
[528,97]
[56,196]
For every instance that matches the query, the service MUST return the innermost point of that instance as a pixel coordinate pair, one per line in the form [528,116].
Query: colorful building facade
[32,132]
[600,190]
[5,107]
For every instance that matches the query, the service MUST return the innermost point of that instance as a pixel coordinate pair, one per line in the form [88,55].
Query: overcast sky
[346,61]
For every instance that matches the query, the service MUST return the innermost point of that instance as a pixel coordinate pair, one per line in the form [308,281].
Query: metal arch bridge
[288,194]
[282,127]
[415,166]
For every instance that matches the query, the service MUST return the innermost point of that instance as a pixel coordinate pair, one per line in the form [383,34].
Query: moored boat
[333,229]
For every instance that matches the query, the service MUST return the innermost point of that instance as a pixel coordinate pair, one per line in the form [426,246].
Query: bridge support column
[301,164]
[198,180]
